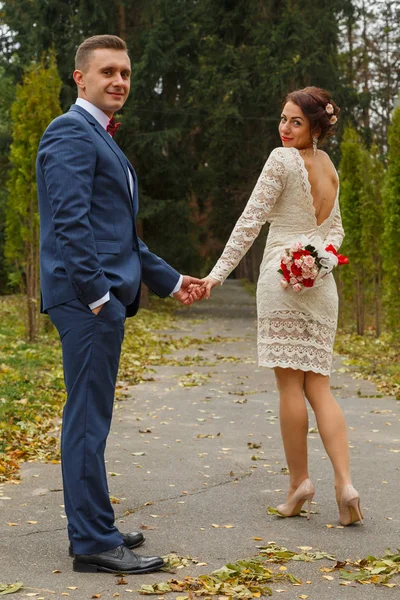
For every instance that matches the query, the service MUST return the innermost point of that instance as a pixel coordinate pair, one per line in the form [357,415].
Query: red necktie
[112,127]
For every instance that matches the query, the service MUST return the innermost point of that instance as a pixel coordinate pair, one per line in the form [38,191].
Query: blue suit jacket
[88,239]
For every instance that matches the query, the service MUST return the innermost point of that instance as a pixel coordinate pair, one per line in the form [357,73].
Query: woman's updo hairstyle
[317,105]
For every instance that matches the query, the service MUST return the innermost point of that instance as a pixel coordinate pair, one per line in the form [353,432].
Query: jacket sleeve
[68,160]
[157,274]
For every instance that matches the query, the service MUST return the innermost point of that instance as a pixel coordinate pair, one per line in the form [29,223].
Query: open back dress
[295,330]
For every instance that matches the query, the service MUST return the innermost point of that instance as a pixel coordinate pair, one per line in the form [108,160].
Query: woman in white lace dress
[297,193]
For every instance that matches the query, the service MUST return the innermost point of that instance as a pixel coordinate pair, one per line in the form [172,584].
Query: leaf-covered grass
[375,359]
[252,578]
[32,391]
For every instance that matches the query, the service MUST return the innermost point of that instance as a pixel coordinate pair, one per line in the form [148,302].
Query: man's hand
[208,283]
[97,309]
[191,290]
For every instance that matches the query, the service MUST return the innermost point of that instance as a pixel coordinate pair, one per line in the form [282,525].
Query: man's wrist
[178,286]
[100,301]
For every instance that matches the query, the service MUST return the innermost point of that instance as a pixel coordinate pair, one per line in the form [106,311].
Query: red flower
[308,282]
[342,260]
[300,253]
[285,271]
[331,248]
[296,270]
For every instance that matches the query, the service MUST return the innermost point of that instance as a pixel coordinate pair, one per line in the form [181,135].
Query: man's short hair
[112,42]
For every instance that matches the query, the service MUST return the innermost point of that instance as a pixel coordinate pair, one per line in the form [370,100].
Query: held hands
[208,283]
[193,290]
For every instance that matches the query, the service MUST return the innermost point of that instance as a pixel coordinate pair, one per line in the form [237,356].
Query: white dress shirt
[104,120]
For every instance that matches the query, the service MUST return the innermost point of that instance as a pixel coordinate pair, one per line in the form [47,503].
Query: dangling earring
[315,144]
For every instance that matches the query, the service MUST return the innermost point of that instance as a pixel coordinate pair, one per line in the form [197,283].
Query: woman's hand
[208,284]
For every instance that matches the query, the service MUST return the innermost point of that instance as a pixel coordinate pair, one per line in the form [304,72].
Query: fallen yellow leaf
[303,597]
[328,577]
[258,539]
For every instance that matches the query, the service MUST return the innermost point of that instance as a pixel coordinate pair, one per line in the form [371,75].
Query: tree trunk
[121,20]
[378,301]
[360,307]
[32,273]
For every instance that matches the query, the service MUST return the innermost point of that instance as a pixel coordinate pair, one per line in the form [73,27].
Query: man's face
[105,79]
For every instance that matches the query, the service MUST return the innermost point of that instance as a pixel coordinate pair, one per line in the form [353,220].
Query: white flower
[296,247]
[298,262]
[293,280]
[329,109]
[333,119]
[297,287]
[284,283]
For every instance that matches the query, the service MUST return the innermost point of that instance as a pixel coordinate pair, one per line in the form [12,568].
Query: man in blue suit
[92,265]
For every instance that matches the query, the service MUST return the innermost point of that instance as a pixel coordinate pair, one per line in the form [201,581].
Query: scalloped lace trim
[291,339]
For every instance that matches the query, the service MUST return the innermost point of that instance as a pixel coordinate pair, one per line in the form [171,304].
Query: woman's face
[294,127]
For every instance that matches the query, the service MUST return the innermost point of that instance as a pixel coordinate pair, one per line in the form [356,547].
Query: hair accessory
[333,119]
[329,109]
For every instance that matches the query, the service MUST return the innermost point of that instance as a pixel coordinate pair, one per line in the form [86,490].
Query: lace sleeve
[336,232]
[263,198]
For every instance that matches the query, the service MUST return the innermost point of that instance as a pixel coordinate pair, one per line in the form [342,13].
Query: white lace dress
[295,330]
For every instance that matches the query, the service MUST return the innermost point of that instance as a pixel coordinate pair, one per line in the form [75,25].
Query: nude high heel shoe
[349,506]
[293,507]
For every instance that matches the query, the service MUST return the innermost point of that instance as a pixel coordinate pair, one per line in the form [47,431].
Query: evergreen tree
[33,27]
[36,104]
[361,175]
[391,248]
[7,93]
[371,174]
[351,185]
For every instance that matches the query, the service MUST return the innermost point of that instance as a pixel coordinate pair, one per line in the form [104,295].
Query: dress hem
[272,365]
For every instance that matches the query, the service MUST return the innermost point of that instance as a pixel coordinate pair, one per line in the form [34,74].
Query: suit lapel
[114,147]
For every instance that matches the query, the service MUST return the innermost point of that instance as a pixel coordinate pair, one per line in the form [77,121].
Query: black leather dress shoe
[130,540]
[118,560]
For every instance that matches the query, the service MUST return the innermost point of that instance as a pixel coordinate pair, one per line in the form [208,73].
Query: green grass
[32,391]
[375,359]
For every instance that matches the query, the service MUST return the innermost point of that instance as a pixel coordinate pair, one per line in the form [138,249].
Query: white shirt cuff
[99,302]
[178,286]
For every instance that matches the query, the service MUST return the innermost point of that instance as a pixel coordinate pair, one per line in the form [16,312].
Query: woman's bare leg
[331,425]
[294,424]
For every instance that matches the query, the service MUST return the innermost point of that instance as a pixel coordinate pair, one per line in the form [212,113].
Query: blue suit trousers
[91,346]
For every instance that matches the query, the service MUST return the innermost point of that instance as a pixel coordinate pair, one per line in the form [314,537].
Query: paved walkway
[193,469]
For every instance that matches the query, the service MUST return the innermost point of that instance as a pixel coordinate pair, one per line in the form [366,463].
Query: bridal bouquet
[306,262]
